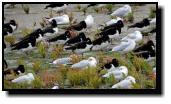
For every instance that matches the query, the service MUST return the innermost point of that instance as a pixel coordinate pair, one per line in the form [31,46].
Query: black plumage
[77,27]
[146,54]
[29,37]
[54,5]
[20,69]
[146,47]
[63,36]
[108,65]
[91,5]
[7,27]
[4,46]
[141,24]
[50,28]
[80,45]
[117,25]
[25,43]
[80,38]
[99,41]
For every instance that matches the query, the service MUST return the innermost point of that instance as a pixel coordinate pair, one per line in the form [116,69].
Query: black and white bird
[26,45]
[17,71]
[52,30]
[126,83]
[112,21]
[110,65]
[37,34]
[61,39]
[60,20]
[144,23]
[84,64]
[119,73]
[80,38]
[28,78]
[146,51]
[81,47]
[54,5]
[10,27]
[87,23]
[100,43]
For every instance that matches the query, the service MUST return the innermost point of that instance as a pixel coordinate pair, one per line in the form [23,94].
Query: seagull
[81,47]
[122,12]
[60,20]
[26,45]
[84,64]
[10,27]
[126,83]
[64,61]
[17,71]
[110,65]
[53,5]
[101,43]
[61,39]
[125,46]
[80,38]
[144,23]
[113,21]
[60,8]
[136,36]
[28,78]
[119,73]
[89,21]
[52,30]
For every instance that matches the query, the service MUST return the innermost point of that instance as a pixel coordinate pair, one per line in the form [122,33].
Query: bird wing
[123,84]
[21,79]
[81,65]
[121,46]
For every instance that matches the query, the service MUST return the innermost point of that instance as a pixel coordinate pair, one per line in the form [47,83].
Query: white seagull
[85,63]
[59,9]
[29,77]
[119,73]
[60,20]
[63,61]
[136,36]
[113,21]
[122,12]
[89,21]
[125,46]
[126,83]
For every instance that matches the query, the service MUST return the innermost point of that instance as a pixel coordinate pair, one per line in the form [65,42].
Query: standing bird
[84,64]
[119,73]
[110,65]
[61,39]
[125,46]
[81,47]
[100,43]
[60,9]
[122,12]
[52,30]
[145,22]
[60,20]
[80,38]
[17,71]
[126,83]
[136,36]
[28,78]
[10,27]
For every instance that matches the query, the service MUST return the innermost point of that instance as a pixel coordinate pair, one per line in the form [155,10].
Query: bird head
[120,24]
[131,79]
[54,23]
[115,62]
[21,68]
[83,23]
[92,59]
[146,21]
[68,35]
[14,23]
[124,70]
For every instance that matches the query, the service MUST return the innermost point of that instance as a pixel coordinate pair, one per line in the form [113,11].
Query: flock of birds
[82,44]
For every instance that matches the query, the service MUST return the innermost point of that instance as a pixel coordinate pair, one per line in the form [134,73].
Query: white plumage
[136,36]
[89,21]
[103,45]
[55,87]
[63,61]
[119,73]
[85,63]
[153,21]
[125,46]
[122,12]
[40,38]
[154,70]
[112,21]
[126,83]
[60,20]
[59,9]
[29,77]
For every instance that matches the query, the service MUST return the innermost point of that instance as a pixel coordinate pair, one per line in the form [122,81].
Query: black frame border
[157,91]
